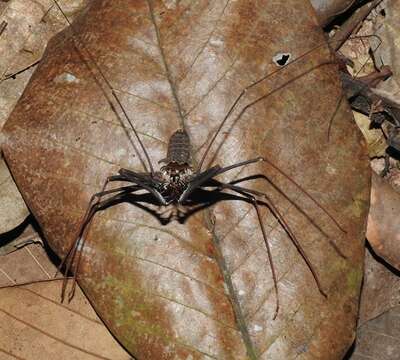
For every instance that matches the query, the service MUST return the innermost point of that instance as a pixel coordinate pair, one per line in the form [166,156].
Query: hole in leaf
[281,59]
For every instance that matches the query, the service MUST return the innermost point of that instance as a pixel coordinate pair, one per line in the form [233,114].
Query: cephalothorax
[177,172]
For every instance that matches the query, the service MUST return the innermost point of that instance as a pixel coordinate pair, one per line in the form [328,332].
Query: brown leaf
[19,237]
[33,322]
[13,210]
[379,338]
[28,264]
[202,288]
[380,291]
[328,9]
[35,325]
[388,35]
[383,230]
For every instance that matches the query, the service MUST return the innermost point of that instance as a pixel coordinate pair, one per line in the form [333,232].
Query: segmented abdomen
[179,148]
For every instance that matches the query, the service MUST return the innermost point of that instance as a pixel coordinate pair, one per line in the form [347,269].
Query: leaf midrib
[166,67]
[232,296]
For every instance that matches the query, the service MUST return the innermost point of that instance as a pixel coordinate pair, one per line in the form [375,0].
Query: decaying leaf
[30,24]
[379,338]
[375,139]
[380,291]
[70,331]
[33,322]
[25,265]
[201,288]
[13,210]
[383,230]
[388,53]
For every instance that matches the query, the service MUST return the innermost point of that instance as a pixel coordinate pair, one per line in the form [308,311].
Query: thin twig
[14,75]
[3,26]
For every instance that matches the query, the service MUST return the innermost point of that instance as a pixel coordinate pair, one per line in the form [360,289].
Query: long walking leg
[254,201]
[77,244]
[82,238]
[251,195]
[304,191]
[98,195]
[283,222]
[277,188]
[201,179]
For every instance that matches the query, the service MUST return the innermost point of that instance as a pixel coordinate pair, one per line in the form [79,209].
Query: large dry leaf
[70,331]
[380,291]
[201,289]
[28,264]
[378,325]
[383,230]
[379,338]
[33,322]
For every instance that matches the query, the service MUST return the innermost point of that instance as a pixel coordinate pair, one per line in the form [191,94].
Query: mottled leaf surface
[29,25]
[202,289]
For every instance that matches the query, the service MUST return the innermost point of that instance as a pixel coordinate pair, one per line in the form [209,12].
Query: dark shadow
[199,200]
[350,352]
[381,261]
[49,251]
[341,18]
[394,151]
[13,234]
[9,236]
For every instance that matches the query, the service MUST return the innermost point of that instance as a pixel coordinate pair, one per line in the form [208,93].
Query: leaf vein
[203,47]
[169,232]
[66,343]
